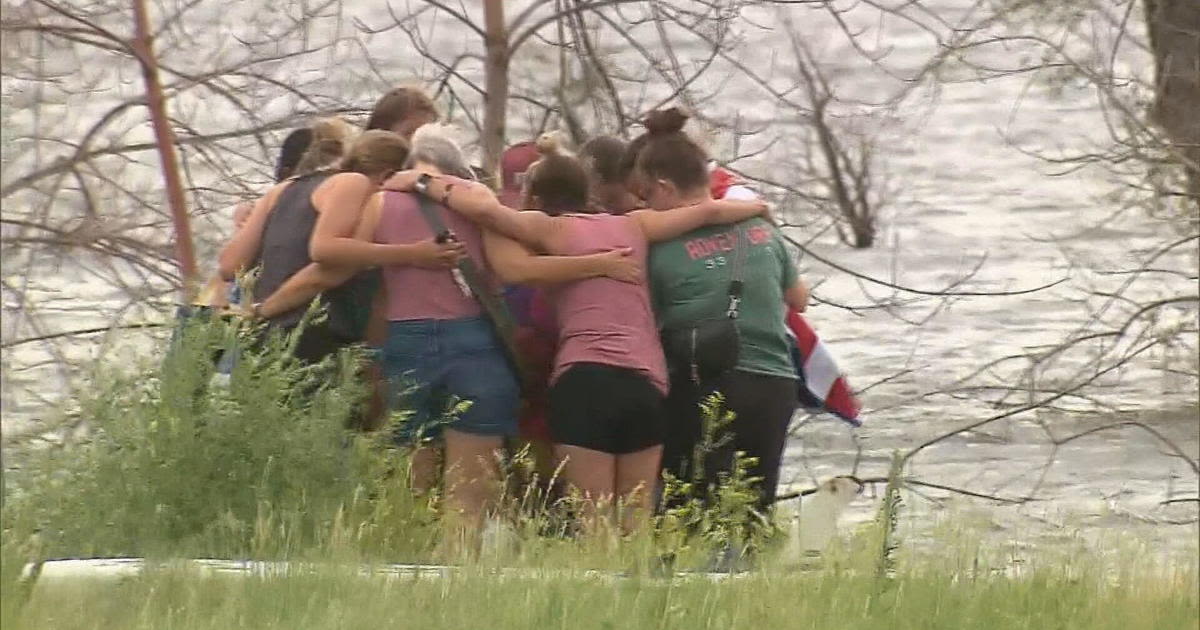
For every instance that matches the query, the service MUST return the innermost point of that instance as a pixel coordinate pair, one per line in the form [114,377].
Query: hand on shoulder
[405,181]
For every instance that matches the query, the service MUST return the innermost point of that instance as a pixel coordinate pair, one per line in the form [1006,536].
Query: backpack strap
[739,271]
[493,305]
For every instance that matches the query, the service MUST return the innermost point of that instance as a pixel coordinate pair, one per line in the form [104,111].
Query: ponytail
[330,140]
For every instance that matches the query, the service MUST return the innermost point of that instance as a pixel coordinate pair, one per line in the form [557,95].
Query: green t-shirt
[690,276]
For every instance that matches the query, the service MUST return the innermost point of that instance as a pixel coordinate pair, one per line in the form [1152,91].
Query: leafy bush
[175,465]
[262,465]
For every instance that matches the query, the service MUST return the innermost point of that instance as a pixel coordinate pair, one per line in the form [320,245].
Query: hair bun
[548,144]
[664,121]
[330,139]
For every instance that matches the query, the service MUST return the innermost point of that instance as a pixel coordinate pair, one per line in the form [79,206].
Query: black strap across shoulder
[739,271]
[493,305]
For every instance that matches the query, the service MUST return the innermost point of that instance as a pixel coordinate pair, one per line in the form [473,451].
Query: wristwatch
[422,185]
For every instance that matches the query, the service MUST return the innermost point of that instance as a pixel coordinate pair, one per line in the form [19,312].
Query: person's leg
[582,406]
[534,475]
[591,474]
[717,443]
[409,372]
[764,407]
[681,429]
[471,475]
[423,468]
[371,414]
[640,423]
[477,373]
[635,477]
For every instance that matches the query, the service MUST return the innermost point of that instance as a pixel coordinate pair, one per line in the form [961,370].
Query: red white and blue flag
[822,387]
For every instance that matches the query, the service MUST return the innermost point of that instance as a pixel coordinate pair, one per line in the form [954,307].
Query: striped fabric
[821,384]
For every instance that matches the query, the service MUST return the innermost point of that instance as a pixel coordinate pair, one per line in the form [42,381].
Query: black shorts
[606,408]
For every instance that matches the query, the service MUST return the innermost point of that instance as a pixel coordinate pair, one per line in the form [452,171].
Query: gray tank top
[284,252]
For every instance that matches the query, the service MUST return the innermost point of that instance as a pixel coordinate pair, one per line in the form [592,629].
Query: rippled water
[963,187]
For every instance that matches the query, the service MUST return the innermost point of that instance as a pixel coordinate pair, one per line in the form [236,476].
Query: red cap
[515,160]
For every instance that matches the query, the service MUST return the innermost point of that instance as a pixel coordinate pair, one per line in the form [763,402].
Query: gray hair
[433,144]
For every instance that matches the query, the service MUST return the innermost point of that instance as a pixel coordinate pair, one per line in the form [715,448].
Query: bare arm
[795,289]
[316,277]
[213,294]
[340,202]
[302,288]
[479,204]
[514,264]
[796,296]
[242,212]
[337,239]
[240,251]
[663,225]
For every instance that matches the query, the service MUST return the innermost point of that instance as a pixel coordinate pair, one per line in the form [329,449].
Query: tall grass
[920,599]
[174,467]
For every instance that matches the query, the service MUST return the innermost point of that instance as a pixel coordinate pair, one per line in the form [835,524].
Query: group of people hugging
[592,305]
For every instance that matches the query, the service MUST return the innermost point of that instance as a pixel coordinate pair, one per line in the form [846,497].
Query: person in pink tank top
[441,360]
[609,377]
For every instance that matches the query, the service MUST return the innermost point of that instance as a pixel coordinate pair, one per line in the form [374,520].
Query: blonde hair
[557,180]
[330,139]
[376,152]
[552,143]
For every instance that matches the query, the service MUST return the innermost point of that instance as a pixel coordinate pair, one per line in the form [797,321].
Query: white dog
[815,521]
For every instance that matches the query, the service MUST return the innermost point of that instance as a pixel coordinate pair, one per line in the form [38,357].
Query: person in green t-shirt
[690,280]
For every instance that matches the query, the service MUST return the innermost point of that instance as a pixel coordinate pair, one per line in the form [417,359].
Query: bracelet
[422,183]
[256,310]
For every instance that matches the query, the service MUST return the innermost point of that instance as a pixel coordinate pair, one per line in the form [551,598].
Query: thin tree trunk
[1174,27]
[164,138]
[496,105]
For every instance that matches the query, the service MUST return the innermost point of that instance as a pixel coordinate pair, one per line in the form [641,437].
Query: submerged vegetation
[176,465]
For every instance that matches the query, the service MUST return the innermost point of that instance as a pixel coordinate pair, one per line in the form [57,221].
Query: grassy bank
[476,599]
[173,469]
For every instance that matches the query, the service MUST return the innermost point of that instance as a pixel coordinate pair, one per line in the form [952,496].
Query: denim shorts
[433,366]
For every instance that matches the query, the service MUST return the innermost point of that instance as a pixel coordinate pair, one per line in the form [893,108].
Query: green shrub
[175,465]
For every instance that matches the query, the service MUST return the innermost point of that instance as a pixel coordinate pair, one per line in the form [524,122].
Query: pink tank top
[601,320]
[415,293]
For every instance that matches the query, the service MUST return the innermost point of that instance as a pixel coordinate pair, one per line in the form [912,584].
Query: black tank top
[284,252]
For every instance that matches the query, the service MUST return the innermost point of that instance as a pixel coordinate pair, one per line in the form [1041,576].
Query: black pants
[763,406]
